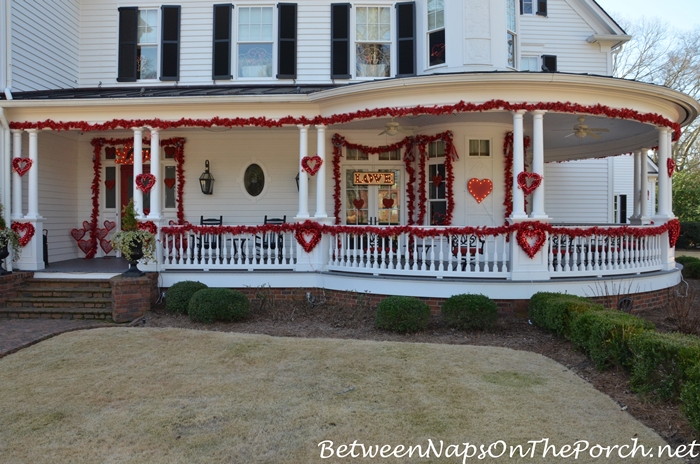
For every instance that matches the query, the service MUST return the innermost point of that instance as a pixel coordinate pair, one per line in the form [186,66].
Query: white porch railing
[441,254]
[228,251]
[599,255]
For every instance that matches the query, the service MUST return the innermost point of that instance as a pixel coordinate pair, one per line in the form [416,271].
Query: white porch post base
[32,255]
[318,258]
[522,266]
[668,254]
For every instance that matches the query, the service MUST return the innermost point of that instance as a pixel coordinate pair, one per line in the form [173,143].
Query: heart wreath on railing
[531,239]
[670,166]
[21,165]
[25,230]
[535,181]
[145,182]
[480,188]
[308,236]
[311,164]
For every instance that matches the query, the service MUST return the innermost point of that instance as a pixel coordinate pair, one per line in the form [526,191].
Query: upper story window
[149,44]
[373,41]
[530,63]
[526,6]
[538,7]
[479,148]
[255,39]
[436,32]
[511,35]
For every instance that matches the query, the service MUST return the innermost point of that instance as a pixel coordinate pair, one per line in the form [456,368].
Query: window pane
[146,64]
[243,16]
[148,27]
[527,6]
[511,50]
[110,193]
[255,60]
[437,47]
[170,191]
[244,32]
[254,180]
[373,60]
[510,15]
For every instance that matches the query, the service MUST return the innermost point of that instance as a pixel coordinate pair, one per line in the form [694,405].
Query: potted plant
[9,239]
[134,243]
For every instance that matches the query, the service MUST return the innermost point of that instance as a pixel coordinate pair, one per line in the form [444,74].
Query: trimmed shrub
[470,312]
[402,314]
[178,296]
[555,311]
[661,362]
[218,304]
[690,397]
[691,270]
[687,259]
[689,236]
[605,336]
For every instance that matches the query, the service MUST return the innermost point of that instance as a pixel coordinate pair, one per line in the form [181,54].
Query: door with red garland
[127,188]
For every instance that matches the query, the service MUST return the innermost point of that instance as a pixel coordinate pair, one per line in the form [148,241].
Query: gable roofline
[605,16]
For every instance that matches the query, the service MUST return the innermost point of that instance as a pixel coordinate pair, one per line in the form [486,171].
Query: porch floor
[96,265]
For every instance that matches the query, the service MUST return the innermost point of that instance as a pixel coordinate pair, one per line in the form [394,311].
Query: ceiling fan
[581,130]
[394,128]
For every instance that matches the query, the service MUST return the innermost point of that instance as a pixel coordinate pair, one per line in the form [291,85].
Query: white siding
[623,180]
[45,44]
[562,33]
[578,191]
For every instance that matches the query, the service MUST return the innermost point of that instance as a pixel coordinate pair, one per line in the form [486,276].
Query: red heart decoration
[26,231]
[86,225]
[317,162]
[109,225]
[101,233]
[480,188]
[86,245]
[106,246]
[388,202]
[77,234]
[437,180]
[109,184]
[145,182]
[308,244]
[21,165]
[535,179]
[671,167]
[110,152]
[358,202]
[169,182]
[170,152]
[525,234]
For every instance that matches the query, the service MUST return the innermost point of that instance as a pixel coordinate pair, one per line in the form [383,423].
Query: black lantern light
[297,179]
[206,180]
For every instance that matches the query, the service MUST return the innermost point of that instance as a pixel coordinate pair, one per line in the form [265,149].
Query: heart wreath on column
[145,182]
[535,181]
[21,165]
[311,164]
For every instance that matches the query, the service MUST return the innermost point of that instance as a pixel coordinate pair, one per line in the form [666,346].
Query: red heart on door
[480,188]
[169,182]
[437,180]
[311,164]
[109,184]
[110,152]
[109,225]
[388,202]
[358,202]
[21,165]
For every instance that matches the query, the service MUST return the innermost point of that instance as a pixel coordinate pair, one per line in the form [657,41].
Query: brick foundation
[9,284]
[133,296]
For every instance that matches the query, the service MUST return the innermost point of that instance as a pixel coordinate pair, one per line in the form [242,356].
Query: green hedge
[218,304]
[402,314]
[662,362]
[555,311]
[689,236]
[467,311]
[686,259]
[690,397]
[691,270]
[178,296]
[605,336]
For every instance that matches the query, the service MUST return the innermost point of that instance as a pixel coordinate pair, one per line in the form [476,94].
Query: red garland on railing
[28,229]
[437,110]
[524,231]
[148,226]
[508,170]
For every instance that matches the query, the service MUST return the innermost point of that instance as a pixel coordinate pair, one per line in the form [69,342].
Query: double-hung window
[436,32]
[373,41]
[437,197]
[149,44]
[511,34]
[255,41]
[538,7]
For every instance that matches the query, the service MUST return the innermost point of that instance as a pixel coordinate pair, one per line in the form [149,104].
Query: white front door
[373,204]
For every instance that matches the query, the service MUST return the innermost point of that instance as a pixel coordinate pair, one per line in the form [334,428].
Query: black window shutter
[287,41]
[340,41]
[170,43]
[521,6]
[542,7]
[549,63]
[221,47]
[128,20]
[406,38]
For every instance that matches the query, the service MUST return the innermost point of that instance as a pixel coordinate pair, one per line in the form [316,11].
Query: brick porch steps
[61,299]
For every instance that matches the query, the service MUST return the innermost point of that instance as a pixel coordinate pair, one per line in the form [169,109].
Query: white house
[411,147]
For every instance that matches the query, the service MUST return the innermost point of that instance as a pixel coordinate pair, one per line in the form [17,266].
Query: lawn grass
[181,396]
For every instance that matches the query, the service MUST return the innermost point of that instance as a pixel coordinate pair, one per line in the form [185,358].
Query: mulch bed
[338,319]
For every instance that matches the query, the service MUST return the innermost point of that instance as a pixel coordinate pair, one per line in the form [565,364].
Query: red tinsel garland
[148,226]
[338,142]
[95,215]
[670,166]
[437,110]
[28,229]
[508,170]
[524,231]
[422,200]
[408,159]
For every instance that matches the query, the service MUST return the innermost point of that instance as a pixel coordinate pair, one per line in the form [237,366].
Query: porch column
[321,174]
[16,179]
[303,177]
[138,169]
[644,187]
[537,163]
[33,188]
[518,165]
[155,170]
[664,210]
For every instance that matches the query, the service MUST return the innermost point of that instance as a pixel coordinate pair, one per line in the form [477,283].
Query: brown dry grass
[184,396]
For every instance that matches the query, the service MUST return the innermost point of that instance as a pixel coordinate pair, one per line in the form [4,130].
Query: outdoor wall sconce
[206,180]
[297,179]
